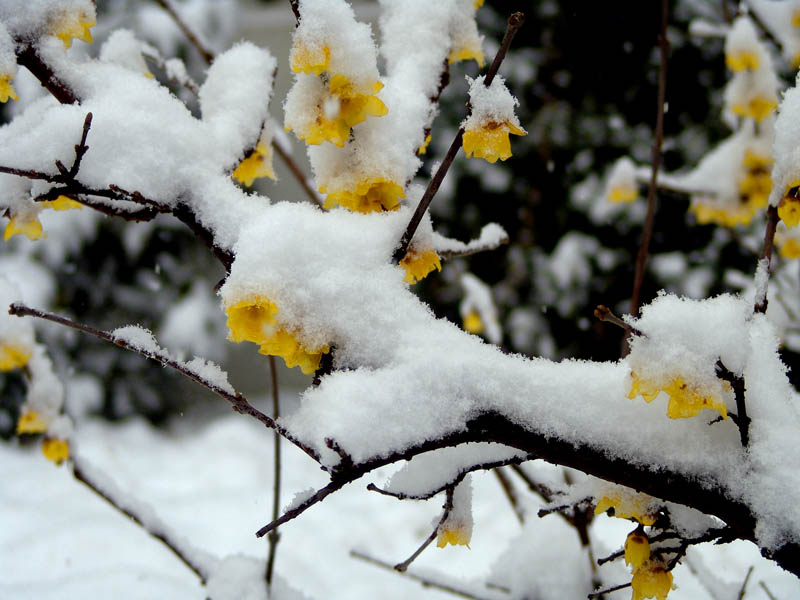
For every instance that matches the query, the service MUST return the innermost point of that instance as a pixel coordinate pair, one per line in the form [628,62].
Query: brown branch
[295,4]
[81,476]
[743,589]
[644,248]
[425,581]
[515,21]
[603,313]
[766,253]
[320,495]
[238,402]
[298,174]
[446,508]
[738,385]
[193,38]
[766,590]
[510,493]
[451,483]
[601,593]
[274,537]
[28,57]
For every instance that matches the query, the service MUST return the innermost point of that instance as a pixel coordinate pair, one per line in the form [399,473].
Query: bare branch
[644,248]
[295,512]
[425,581]
[743,589]
[274,537]
[239,403]
[515,21]
[448,506]
[193,37]
[601,593]
[766,251]
[510,493]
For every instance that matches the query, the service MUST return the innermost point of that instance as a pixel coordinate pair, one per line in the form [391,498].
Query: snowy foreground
[212,483]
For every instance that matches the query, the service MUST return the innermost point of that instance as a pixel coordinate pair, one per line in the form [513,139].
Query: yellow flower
[637,548]
[789,207]
[684,400]
[490,140]
[473,323]
[790,249]
[372,194]
[477,4]
[454,536]
[417,266]
[27,225]
[31,422]
[55,450]
[424,148]
[796,18]
[727,216]
[757,108]
[257,164]
[651,581]
[312,60]
[7,89]
[739,61]
[623,194]
[634,506]
[13,356]
[254,321]
[343,108]
[74,25]
[62,203]
[460,53]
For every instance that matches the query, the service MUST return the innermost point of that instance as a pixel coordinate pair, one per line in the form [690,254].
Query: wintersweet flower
[257,164]
[458,535]
[28,225]
[31,422]
[739,61]
[469,52]
[633,506]
[651,581]
[623,194]
[13,356]
[7,89]
[423,149]
[637,548]
[684,400]
[789,207]
[790,249]
[757,108]
[62,203]
[490,140]
[472,323]
[418,265]
[253,320]
[75,25]
[313,60]
[371,194]
[55,450]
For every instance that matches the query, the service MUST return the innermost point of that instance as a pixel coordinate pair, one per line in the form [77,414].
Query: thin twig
[298,174]
[743,589]
[428,494]
[274,537]
[448,506]
[81,476]
[295,512]
[766,252]
[510,493]
[766,590]
[603,313]
[622,586]
[515,21]
[426,582]
[647,232]
[28,57]
[193,38]
[239,403]
[737,383]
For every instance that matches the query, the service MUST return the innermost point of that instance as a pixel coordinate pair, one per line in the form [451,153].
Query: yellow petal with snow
[55,450]
[372,194]
[75,26]
[651,581]
[490,141]
[30,227]
[31,422]
[13,356]
[256,165]
[417,266]
[472,323]
[7,89]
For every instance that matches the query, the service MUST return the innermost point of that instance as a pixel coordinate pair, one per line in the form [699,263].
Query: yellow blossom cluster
[31,422]
[685,400]
[754,187]
[489,140]
[253,320]
[630,506]
[28,223]
[371,194]
[255,165]
[417,265]
[789,207]
[343,103]
[454,535]
[74,25]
